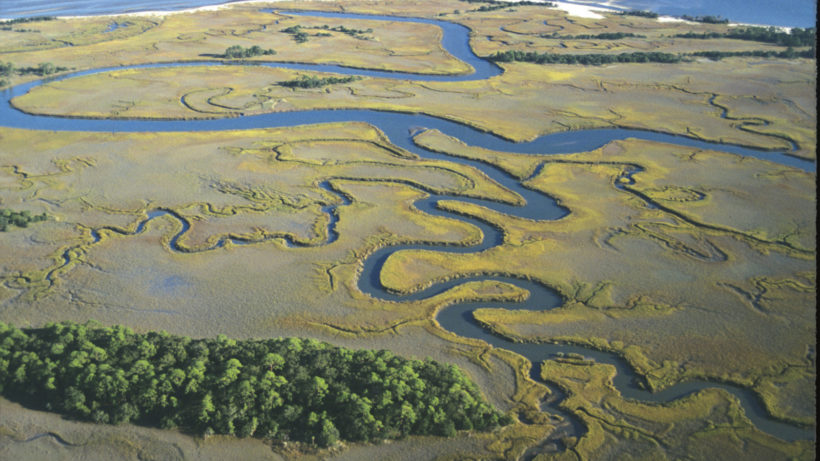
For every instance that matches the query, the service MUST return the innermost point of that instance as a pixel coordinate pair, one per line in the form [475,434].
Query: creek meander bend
[398,127]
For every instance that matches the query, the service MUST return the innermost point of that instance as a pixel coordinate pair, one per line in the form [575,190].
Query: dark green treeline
[281,389]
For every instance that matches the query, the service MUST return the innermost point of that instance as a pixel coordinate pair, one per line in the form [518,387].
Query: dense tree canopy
[282,389]
[10,218]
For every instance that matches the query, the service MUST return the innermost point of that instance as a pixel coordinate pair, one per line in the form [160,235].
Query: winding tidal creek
[399,128]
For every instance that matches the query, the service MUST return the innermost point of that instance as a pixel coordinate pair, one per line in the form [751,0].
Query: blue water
[397,127]
[788,13]
[791,13]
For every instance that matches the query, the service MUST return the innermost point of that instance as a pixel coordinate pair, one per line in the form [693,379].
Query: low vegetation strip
[505,4]
[300,36]
[597,59]
[10,22]
[46,68]
[358,33]
[795,37]
[601,36]
[306,81]
[788,54]
[708,19]
[585,59]
[640,13]
[279,389]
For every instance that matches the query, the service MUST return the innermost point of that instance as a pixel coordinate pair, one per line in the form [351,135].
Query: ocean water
[790,13]
[22,8]
[787,13]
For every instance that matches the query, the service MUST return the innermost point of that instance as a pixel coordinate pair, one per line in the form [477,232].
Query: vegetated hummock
[311,81]
[280,389]
[237,52]
[298,35]
[17,218]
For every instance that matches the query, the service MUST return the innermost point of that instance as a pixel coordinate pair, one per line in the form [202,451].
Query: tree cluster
[601,59]
[493,7]
[585,59]
[504,4]
[237,52]
[6,25]
[345,30]
[601,36]
[18,218]
[278,389]
[797,36]
[43,69]
[311,81]
[299,35]
[706,19]
[640,13]
[790,53]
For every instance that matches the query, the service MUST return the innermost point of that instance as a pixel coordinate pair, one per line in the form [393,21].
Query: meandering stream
[398,127]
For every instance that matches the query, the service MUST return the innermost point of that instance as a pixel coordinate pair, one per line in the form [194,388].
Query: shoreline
[161,13]
[579,10]
[572,9]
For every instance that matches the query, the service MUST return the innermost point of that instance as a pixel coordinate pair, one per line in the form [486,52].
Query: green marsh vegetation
[279,389]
